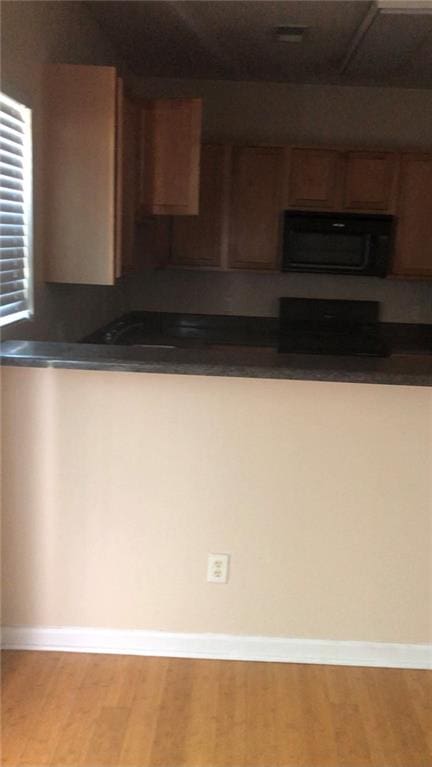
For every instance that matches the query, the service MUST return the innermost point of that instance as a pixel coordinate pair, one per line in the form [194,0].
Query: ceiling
[349,42]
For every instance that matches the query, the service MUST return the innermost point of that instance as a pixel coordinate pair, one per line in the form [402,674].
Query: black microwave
[337,243]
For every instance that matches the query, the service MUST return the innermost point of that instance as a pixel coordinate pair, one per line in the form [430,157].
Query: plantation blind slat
[15,211]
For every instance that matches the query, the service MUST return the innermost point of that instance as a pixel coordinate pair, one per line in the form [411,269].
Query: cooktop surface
[335,327]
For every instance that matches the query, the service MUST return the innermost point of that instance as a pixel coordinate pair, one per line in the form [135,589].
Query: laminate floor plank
[379,735]
[420,692]
[350,732]
[231,722]
[78,728]
[200,731]
[22,702]
[173,715]
[52,715]
[107,737]
[146,689]
[260,735]
[83,710]
[408,734]
[291,727]
[351,741]
[321,740]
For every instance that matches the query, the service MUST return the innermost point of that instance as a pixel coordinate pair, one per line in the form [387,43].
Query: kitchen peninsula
[131,478]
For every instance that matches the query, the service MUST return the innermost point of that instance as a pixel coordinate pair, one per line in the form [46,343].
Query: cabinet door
[198,240]
[128,180]
[170,156]
[370,181]
[413,256]
[255,207]
[79,122]
[313,178]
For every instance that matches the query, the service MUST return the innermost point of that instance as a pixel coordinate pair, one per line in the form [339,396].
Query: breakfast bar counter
[221,360]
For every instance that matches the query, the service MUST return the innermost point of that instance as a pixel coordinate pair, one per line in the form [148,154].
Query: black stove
[335,327]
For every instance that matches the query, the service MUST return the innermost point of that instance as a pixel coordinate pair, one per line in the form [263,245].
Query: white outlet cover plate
[217,568]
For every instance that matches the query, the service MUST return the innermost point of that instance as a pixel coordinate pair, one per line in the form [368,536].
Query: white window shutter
[15,211]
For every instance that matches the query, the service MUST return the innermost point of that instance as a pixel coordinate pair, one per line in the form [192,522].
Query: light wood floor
[109,710]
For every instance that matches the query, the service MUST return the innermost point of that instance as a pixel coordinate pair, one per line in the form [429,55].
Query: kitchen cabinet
[255,207]
[128,159]
[170,143]
[84,198]
[413,250]
[200,240]
[330,179]
[313,178]
[370,181]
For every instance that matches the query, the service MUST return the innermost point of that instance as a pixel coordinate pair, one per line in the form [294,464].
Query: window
[16,293]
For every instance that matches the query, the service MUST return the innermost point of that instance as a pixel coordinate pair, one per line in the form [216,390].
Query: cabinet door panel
[119,181]
[255,207]
[313,178]
[170,156]
[80,172]
[413,257]
[370,181]
[198,240]
[129,183]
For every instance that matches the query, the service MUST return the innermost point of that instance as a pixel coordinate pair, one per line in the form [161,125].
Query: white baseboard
[218,646]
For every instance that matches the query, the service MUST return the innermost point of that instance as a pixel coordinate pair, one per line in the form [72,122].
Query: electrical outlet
[217,568]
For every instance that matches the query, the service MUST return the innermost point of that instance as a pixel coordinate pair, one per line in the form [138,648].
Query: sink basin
[154,346]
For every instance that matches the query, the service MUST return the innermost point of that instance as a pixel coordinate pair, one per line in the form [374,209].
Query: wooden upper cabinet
[170,144]
[413,253]
[255,207]
[370,181]
[327,179]
[199,240]
[81,105]
[313,178]
[128,183]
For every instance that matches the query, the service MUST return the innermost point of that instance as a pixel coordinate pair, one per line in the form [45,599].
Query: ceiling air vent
[290,34]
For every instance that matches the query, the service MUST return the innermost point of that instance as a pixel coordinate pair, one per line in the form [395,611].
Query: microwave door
[331,251]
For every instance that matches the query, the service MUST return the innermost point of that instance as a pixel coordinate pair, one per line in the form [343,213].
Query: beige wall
[34,33]
[117,485]
[283,113]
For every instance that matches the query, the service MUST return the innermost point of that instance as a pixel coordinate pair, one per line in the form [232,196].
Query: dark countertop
[205,330]
[215,345]
[223,360]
